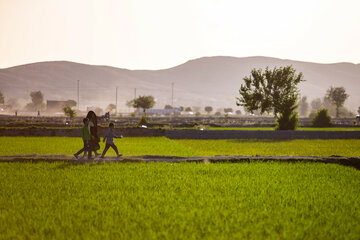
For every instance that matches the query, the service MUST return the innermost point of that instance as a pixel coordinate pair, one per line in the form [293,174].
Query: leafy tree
[181,108]
[272,90]
[337,95]
[304,106]
[2,99]
[69,112]
[167,106]
[208,109]
[37,98]
[316,104]
[322,118]
[37,101]
[188,109]
[238,112]
[218,114]
[71,103]
[144,102]
[358,110]
[227,110]
[111,107]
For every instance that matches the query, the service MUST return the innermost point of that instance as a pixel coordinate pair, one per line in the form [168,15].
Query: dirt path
[346,161]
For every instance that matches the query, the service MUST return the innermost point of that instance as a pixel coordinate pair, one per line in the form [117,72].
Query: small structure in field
[162,112]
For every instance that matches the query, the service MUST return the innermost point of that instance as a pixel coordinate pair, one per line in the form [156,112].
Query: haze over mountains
[200,82]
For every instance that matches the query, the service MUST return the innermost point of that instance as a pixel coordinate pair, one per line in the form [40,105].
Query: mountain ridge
[203,81]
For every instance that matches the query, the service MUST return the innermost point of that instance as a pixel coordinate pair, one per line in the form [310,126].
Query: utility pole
[135,93]
[116,107]
[78,97]
[172,94]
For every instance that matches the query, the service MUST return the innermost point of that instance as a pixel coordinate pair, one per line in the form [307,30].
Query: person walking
[110,141]
[86,138]
[94,141]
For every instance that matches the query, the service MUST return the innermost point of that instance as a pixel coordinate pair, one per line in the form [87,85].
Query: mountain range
[207,81]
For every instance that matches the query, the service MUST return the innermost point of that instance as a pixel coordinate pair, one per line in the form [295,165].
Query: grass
[179,201]
[163,146]
[266,147]
[69,145]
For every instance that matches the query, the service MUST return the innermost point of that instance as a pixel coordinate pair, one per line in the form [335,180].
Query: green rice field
[179,201]
[163,146]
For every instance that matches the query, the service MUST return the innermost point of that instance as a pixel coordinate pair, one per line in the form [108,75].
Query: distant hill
[205,81]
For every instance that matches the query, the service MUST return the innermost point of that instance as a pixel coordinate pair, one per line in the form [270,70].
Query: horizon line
[215,56]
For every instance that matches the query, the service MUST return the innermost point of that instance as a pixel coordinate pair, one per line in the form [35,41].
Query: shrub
[288,118]
[322,118]
[69,112]
[143,121]
[287,121]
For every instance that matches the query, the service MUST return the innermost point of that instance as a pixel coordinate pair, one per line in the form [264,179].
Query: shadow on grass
[68,163]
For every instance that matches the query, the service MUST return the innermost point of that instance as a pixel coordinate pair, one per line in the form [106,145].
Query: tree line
[270,91]
[276,90]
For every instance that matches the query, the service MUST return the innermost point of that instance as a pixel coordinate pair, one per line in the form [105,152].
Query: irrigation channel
[341,160]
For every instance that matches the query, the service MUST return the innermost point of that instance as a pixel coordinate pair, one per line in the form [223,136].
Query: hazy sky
[155,34]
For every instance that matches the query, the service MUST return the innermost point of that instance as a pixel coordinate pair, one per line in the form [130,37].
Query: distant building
[161,112]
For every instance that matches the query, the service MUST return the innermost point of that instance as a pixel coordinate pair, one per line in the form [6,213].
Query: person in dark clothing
[94,142]
[109,141]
